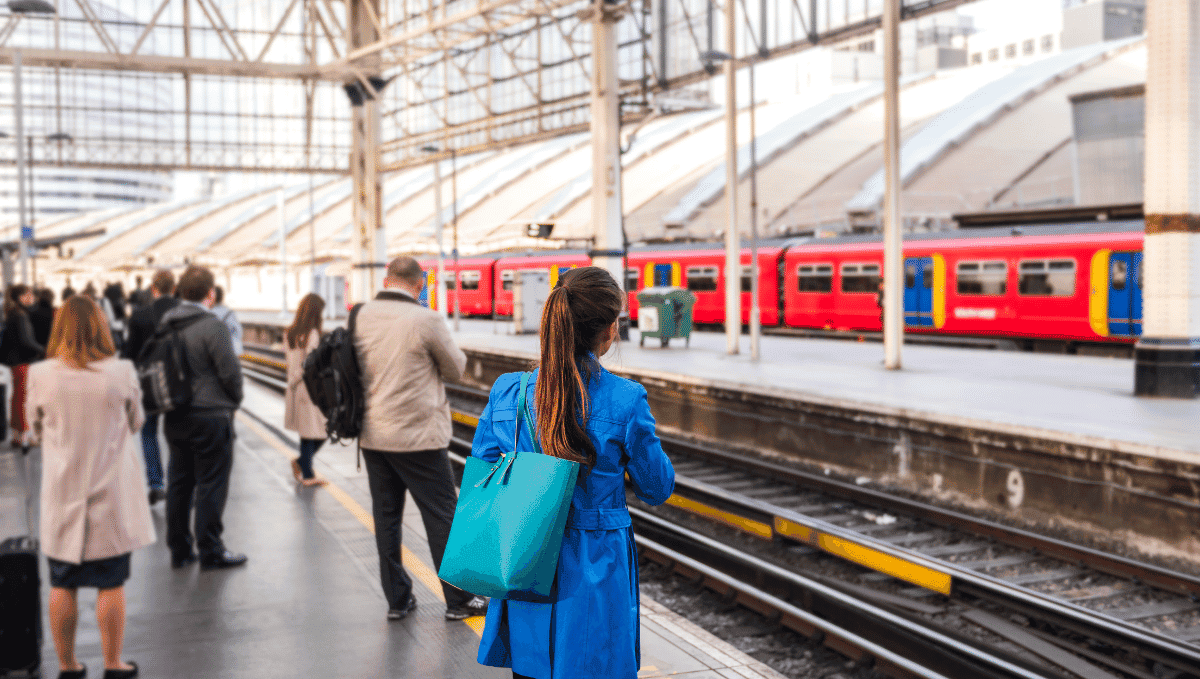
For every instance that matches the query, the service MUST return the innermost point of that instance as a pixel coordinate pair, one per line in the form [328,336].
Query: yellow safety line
[463,418]
[922,576]
[411,561]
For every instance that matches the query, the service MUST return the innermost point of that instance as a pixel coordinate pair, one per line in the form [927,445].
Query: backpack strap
[350,325]
[525,416]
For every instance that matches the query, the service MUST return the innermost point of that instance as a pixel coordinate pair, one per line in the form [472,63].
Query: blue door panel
[918,292]
[662,274]
[1124,294]
[1135,281]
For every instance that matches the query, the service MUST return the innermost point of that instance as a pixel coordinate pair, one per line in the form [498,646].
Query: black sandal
[74,674]
[122,674]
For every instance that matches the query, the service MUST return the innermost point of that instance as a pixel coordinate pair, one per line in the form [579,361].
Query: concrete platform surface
[308,603]
[1082,399]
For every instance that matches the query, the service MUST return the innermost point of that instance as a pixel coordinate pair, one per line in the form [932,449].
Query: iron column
[733,246]
[607,236]
[893,263]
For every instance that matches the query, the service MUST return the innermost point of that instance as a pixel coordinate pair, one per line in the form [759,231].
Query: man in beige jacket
[405,353]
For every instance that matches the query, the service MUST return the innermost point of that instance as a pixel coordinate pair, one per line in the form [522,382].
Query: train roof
[1074,229]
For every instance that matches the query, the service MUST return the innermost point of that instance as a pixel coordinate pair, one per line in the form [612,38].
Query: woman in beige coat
[86,408]
[299,414]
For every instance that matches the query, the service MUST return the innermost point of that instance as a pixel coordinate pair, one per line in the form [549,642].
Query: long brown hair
[583,305]
[308,318]
[80,333]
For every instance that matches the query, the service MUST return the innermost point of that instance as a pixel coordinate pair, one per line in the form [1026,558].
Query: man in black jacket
[41,315]
[200,435]
[141,328]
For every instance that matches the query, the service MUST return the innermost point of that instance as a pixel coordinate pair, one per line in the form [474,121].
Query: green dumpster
[665,312]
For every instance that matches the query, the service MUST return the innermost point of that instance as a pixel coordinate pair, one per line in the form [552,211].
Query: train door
[662,274]
[1125,293]
[918,292]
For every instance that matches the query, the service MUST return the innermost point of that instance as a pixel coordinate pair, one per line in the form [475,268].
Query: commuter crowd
[89,387]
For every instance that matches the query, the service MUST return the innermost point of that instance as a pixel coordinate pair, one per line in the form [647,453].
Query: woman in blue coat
[587,414]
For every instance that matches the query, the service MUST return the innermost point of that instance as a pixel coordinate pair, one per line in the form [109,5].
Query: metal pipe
[893,263]
[755,311]
[19,124]
[282,249]
[454,228]
[733,259]
[312,235]
[439,284]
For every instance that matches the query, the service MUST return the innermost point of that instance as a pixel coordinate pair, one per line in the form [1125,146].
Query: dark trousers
[308,450]
[150,451]
[201,445]
[426,474]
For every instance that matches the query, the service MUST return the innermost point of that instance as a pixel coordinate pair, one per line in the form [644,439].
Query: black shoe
[183,561]
[477,605]
[402,613]
[74,674]
[225,559]
[122,674]
[157,495]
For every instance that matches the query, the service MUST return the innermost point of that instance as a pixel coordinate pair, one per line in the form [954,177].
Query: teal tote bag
[509,523]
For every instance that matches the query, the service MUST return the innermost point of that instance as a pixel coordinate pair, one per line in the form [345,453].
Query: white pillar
[733,244]
[893,255]
[1167,357]
[371,254]
[607,230]
[439,283]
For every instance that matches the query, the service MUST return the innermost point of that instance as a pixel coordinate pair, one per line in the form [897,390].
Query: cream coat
[93,503]
[299,413]
[406,354]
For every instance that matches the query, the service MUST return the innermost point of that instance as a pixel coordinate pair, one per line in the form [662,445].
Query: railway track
[1080,612]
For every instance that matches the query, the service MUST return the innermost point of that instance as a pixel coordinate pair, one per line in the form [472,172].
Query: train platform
[308,603]
[1074,399]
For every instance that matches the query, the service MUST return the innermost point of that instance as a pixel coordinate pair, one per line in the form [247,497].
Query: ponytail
[585,303]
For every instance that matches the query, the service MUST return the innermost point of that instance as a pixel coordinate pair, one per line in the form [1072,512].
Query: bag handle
[525,416]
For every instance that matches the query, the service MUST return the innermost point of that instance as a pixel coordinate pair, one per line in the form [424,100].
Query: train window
[982,278]
[860,278]
[1048,277]
[506,280]
[470,280]
[746,283]
[702,278]
[910,275]
[1119,274]
[448,277]
[815,277]
[632,278]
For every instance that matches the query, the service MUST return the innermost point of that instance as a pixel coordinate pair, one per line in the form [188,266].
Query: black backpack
[334,382]
[163,369]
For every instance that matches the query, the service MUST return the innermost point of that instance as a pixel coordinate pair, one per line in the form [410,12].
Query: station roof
[975,139]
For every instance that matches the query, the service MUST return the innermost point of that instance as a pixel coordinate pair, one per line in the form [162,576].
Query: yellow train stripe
[424,573]
[1098,292]
[755,528]
[897,567]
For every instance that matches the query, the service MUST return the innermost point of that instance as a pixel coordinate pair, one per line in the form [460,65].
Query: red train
[1074,283]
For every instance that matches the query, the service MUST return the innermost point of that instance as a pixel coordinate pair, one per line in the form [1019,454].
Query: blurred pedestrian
[586,414]
[299,414]
[89,291]
[86,406]
[879,303]
[230,319]
[200,435]
[142,324]
[113,304]
[67,292]
[41,315]
[406,354]
[19,348]
[140,296]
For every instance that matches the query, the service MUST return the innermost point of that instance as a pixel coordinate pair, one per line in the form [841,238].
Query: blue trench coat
[592,628]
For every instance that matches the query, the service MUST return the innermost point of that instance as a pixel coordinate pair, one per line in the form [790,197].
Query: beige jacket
[299,413]
[405,354]
[93,501]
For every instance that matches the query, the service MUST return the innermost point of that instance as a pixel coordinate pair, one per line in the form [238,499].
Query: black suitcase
[20,609]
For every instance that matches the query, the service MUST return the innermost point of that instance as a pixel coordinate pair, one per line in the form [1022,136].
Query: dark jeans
[201,445]
[150,451]
[308,450]
[520,676]
[426,474]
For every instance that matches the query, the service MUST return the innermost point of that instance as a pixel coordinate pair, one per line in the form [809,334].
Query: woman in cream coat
[299,414]
[86,408]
